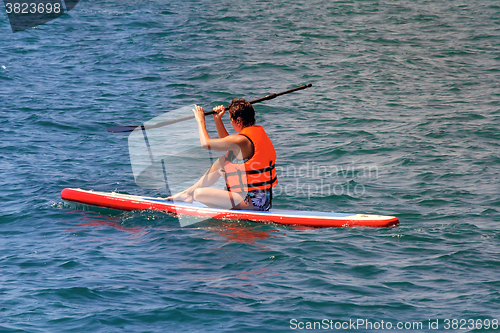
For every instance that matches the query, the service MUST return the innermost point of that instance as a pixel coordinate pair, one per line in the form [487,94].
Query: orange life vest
[259,169]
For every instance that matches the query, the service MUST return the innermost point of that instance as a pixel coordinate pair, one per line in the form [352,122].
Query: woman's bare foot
[181,196]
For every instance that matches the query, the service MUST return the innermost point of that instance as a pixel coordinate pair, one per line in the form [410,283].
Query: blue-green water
[404,109]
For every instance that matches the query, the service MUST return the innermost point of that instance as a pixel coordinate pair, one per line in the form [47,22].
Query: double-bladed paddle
[120,129]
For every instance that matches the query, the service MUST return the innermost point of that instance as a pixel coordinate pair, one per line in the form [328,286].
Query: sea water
[402,119]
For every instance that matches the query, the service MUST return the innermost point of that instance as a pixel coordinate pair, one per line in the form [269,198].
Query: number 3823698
[471,324]
[32,8]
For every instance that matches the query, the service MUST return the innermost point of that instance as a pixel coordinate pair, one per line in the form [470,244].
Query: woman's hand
[220,112]
[199,114]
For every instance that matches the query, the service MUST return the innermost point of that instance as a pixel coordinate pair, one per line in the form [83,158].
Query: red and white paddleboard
[281,216]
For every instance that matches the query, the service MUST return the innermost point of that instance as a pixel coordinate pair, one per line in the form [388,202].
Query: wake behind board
[280,216]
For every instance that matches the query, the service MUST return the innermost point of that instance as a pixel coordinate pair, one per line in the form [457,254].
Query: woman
[248,166]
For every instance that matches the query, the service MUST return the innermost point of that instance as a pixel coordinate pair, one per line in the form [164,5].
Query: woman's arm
[239,144]
[219,125]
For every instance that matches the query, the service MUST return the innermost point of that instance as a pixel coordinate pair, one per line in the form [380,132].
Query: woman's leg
[208,179]
[217,198]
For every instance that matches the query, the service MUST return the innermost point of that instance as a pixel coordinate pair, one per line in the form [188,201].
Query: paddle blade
[122,129]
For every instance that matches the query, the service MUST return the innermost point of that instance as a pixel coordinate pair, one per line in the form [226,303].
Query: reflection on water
[96,222]
[241,232]
[136,222]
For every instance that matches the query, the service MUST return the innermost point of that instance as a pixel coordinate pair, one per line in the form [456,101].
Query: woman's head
[241,110]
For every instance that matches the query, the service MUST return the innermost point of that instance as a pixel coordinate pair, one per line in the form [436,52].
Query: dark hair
[242,109]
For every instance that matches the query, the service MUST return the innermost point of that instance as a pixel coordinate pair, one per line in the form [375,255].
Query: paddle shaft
[121,129]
